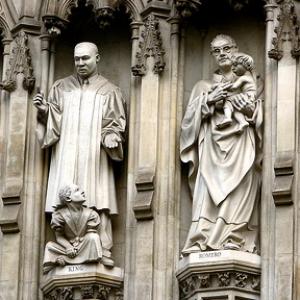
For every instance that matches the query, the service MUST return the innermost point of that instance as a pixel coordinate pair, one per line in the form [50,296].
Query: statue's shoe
[107,262]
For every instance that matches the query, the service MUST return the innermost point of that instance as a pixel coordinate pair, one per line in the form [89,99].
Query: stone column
[152,246]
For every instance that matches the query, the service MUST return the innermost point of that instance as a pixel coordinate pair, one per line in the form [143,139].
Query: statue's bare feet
[242,127]
[225,123]
[61,261]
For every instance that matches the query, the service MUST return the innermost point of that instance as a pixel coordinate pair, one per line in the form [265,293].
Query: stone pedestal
[86,281]
[224,275]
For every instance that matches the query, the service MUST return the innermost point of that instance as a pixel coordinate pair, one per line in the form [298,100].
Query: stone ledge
[225,273]
[76,276]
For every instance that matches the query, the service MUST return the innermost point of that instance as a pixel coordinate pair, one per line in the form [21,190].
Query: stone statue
[76,230]
[83,121]
[221,142]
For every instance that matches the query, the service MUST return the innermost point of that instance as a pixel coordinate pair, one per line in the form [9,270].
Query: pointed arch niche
[246,24]
[78,21]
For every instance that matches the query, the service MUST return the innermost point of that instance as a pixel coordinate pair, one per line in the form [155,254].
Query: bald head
[87,45]
[86,58]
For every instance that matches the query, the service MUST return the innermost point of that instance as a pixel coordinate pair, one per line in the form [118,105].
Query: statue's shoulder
[107,86]
[65,82]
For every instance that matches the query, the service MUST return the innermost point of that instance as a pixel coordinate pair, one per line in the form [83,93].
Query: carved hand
[218,93]
[112,140]
[71,252]
[40,103]
[242,104]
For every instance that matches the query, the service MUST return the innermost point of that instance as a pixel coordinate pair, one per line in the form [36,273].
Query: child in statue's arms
[243,67]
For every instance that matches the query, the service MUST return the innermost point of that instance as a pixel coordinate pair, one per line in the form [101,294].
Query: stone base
[85,281]
[223,275]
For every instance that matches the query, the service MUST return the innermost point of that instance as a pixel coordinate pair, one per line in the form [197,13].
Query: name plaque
[210,254]
[75,268]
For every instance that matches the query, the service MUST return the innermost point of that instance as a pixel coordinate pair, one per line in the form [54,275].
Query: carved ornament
[87,291]
[286,30]
[20,62]
[216,280]
[150,46]
[187,7]
[54,25]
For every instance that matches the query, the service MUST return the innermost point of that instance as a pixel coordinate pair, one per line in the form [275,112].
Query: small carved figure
[243,67]
[76,230]
[83,121]
[223,162]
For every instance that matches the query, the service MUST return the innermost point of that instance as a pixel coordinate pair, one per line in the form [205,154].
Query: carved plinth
[226,275]
[86,281]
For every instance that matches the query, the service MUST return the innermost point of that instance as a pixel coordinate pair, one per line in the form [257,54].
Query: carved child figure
[76,230]
[242,66]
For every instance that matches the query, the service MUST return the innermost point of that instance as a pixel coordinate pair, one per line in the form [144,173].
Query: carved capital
[20,62]
[150,46]
[187,7]
[287,30]
[87,291]
[284,176]
[209,282]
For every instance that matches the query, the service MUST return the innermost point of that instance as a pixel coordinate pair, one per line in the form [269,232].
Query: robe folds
[81,232]
[223,175]
[79,118]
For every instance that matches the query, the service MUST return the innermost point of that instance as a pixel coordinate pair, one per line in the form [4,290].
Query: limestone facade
[155,51]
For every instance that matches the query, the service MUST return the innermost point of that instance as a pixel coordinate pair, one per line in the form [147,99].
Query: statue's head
[71,193]
[223,48]
[241,63]
[86,57]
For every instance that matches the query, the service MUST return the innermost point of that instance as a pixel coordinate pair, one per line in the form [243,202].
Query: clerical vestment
[222,174]
[79,117]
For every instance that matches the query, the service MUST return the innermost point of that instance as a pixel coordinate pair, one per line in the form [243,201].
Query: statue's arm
[93,222]
[113,125]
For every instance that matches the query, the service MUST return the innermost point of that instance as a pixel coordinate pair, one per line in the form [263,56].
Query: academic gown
[79,118]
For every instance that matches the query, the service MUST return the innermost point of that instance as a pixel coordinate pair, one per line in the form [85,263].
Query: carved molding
[20,62]
[150,46]
[142,206]
[89,291]
[211,281]
[286,30]
[284,176]
[9,218]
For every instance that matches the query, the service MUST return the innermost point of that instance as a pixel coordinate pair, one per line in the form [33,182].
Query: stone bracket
[9,219]
[145,191]
[157,8]
[284,176]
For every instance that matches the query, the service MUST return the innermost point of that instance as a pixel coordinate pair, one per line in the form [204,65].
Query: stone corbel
[150,46]
[19,63]
[187,7]
[54,25]
[284,176]
[286,30]
[144,183]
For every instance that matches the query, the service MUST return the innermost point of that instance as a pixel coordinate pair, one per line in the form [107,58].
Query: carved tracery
[150,46]
[20,62]
[286,30]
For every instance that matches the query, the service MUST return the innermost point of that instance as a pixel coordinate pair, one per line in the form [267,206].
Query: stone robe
[223,176]
[79,117]
[81,230]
